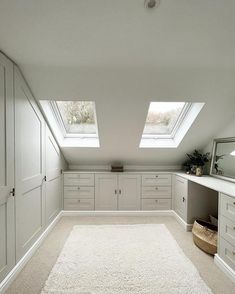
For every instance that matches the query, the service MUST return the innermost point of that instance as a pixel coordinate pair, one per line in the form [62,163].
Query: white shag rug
[123,259]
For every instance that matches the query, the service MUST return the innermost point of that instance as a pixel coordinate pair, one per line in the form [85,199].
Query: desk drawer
[156,204]
[79,192]
[227,206]
[79,179]
[156,180]
[227,229]
[156,192]
[227,253]
[79,204]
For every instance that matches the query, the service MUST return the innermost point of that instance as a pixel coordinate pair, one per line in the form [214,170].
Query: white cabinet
[226,248]
[29,167]
[181,197]
[7,221]
[79,191]
[53,197]
[114,192]
[106,191]
[156,191]
[129,192]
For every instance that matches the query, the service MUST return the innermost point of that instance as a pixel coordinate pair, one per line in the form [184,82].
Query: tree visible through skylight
[162,117]
[78,116]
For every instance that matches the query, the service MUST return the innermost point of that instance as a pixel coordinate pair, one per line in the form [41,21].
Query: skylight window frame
[177,124]
[59,119]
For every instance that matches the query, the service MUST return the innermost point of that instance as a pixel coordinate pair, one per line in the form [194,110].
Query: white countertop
[216,184]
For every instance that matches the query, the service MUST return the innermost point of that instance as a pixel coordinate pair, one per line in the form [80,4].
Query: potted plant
[196,162]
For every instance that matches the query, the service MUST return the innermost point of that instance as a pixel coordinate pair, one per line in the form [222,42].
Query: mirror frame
[215,142]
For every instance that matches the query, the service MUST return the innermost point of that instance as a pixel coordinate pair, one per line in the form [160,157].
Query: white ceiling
[123,56]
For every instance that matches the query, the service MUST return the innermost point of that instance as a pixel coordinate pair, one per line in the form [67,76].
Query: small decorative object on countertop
[196,162]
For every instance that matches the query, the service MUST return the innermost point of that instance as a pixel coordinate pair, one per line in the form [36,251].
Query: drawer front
[74,179]
[156,192]
[156,204]
[227,229]
[156,180]
[79,204]
[227,253]
[227,206]
[79,192]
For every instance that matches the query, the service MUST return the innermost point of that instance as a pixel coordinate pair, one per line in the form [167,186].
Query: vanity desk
[225,190]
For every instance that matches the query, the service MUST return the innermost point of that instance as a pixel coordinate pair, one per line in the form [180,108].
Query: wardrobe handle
[183,199]
[12,192]
[115,191]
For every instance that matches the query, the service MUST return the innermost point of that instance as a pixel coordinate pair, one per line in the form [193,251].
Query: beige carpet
[123,259]
[32,278]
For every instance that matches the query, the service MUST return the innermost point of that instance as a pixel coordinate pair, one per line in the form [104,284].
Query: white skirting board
[224,267]
[118,213]
[187,227]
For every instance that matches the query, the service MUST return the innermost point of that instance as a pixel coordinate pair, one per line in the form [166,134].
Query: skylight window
[78,117]
[73,123]
[162,117]
[167,123]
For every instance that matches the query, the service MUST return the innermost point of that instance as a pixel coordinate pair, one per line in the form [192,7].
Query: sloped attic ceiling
[122,56]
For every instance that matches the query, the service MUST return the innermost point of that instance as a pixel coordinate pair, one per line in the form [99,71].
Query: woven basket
[205,236]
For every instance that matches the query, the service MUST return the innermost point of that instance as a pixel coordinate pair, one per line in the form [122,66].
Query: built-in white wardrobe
[30,169]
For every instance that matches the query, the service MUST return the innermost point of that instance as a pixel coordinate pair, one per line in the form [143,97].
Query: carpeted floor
[32,279]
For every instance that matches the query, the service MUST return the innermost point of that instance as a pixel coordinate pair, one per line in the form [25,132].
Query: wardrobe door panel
[7,227]
[29,167]
[53,176]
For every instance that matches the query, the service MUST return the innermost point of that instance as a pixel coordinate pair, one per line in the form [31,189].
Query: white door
[7,228]
[53,196]
[129,192]
[29,167]
[180,197]
[106,191]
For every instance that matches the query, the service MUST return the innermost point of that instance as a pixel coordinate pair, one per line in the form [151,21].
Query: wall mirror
[223,159]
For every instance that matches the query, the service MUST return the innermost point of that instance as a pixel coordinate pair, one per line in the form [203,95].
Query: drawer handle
[156,188]
[78,188]
[156,176]
[156,200]
[79,200]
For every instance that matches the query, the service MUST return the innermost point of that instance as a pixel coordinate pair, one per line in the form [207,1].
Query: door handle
[183,199]
[115,191]
[12,192]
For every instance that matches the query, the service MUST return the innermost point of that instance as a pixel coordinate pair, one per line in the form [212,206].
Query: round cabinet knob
[156,176]
[79,200]
[156,200]
[78,188]
[156,188]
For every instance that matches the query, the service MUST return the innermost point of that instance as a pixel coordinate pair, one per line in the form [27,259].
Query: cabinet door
[29,167]
[106,192]
[53,197]
[7,228]
[129,192]
[180,197]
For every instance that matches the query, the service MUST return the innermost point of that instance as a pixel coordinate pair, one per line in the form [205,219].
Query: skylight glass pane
[162,117]
[78,116]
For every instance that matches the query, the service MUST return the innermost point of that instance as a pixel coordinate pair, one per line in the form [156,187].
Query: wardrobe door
[106,191]
[53,178]
[7,228]
[129,192]
[29,167]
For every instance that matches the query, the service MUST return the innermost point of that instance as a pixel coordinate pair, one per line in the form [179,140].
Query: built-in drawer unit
[227,206]
[227,252]
[79,204]
[156,180]
[227,229]
[79,191]
[156,192]
[156,204]
[79,179]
